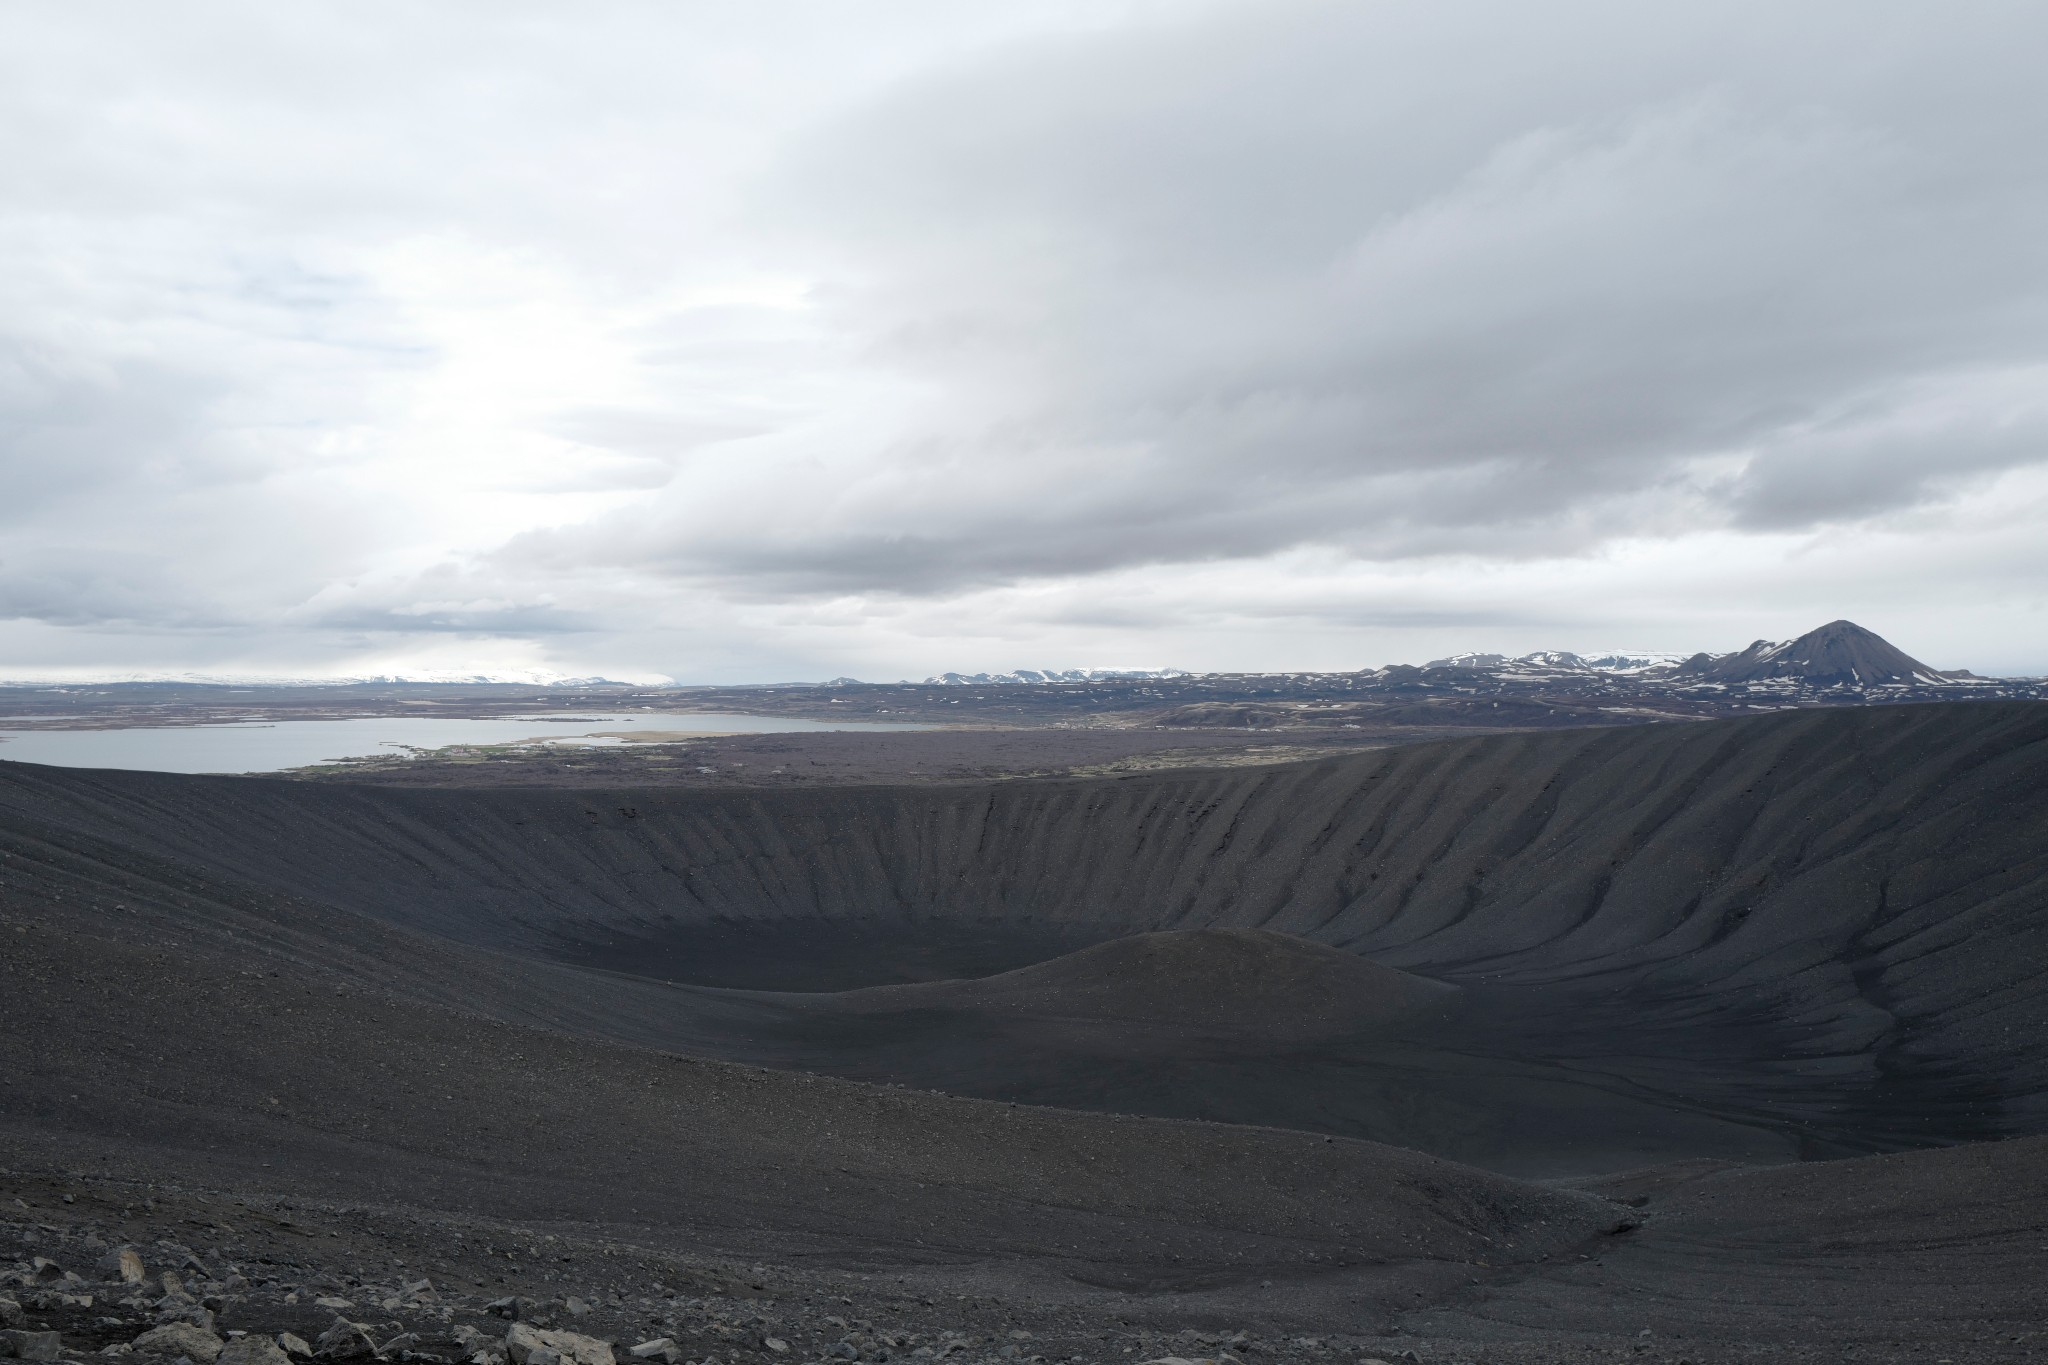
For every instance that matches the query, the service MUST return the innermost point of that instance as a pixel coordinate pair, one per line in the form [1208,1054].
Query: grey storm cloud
[1386,277]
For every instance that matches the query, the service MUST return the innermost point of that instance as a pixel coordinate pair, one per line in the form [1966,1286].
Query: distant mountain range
[1840,663]
[1563,659]
[1838,654]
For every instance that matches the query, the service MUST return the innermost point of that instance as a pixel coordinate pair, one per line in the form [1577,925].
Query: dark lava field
[1692,1041]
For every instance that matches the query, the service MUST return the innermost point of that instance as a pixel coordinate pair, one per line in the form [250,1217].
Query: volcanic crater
[1187,1032]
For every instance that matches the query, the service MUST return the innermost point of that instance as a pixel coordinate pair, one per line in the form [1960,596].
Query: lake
[266,746]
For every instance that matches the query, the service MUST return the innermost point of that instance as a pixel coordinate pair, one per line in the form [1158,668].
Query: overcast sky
[756,341]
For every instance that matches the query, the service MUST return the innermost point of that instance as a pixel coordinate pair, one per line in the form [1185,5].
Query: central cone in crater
[1225,982]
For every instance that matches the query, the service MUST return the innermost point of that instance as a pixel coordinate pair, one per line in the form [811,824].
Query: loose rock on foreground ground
[99,1276]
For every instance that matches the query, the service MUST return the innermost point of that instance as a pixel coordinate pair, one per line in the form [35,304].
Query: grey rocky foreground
[75,1295]
[164,1273]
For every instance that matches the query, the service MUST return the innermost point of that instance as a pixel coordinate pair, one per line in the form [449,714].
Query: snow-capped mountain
[1563,660]
[1837,657]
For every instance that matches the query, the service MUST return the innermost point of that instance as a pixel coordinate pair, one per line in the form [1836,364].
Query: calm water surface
[269,746]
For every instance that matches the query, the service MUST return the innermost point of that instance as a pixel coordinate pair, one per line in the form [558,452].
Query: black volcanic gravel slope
[1914,1255]
[1815,933]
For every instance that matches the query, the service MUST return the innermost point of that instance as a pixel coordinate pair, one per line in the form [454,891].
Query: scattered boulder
[776,1344]
[30,1345]
[648,1350]
[578,1308]
[46,1269]
[333,1301]
[11,1314]
[344,1340]
[180,1309]
[294,1345]
[123,1265]
[523,1339]
[253,1350]
[181,1339]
